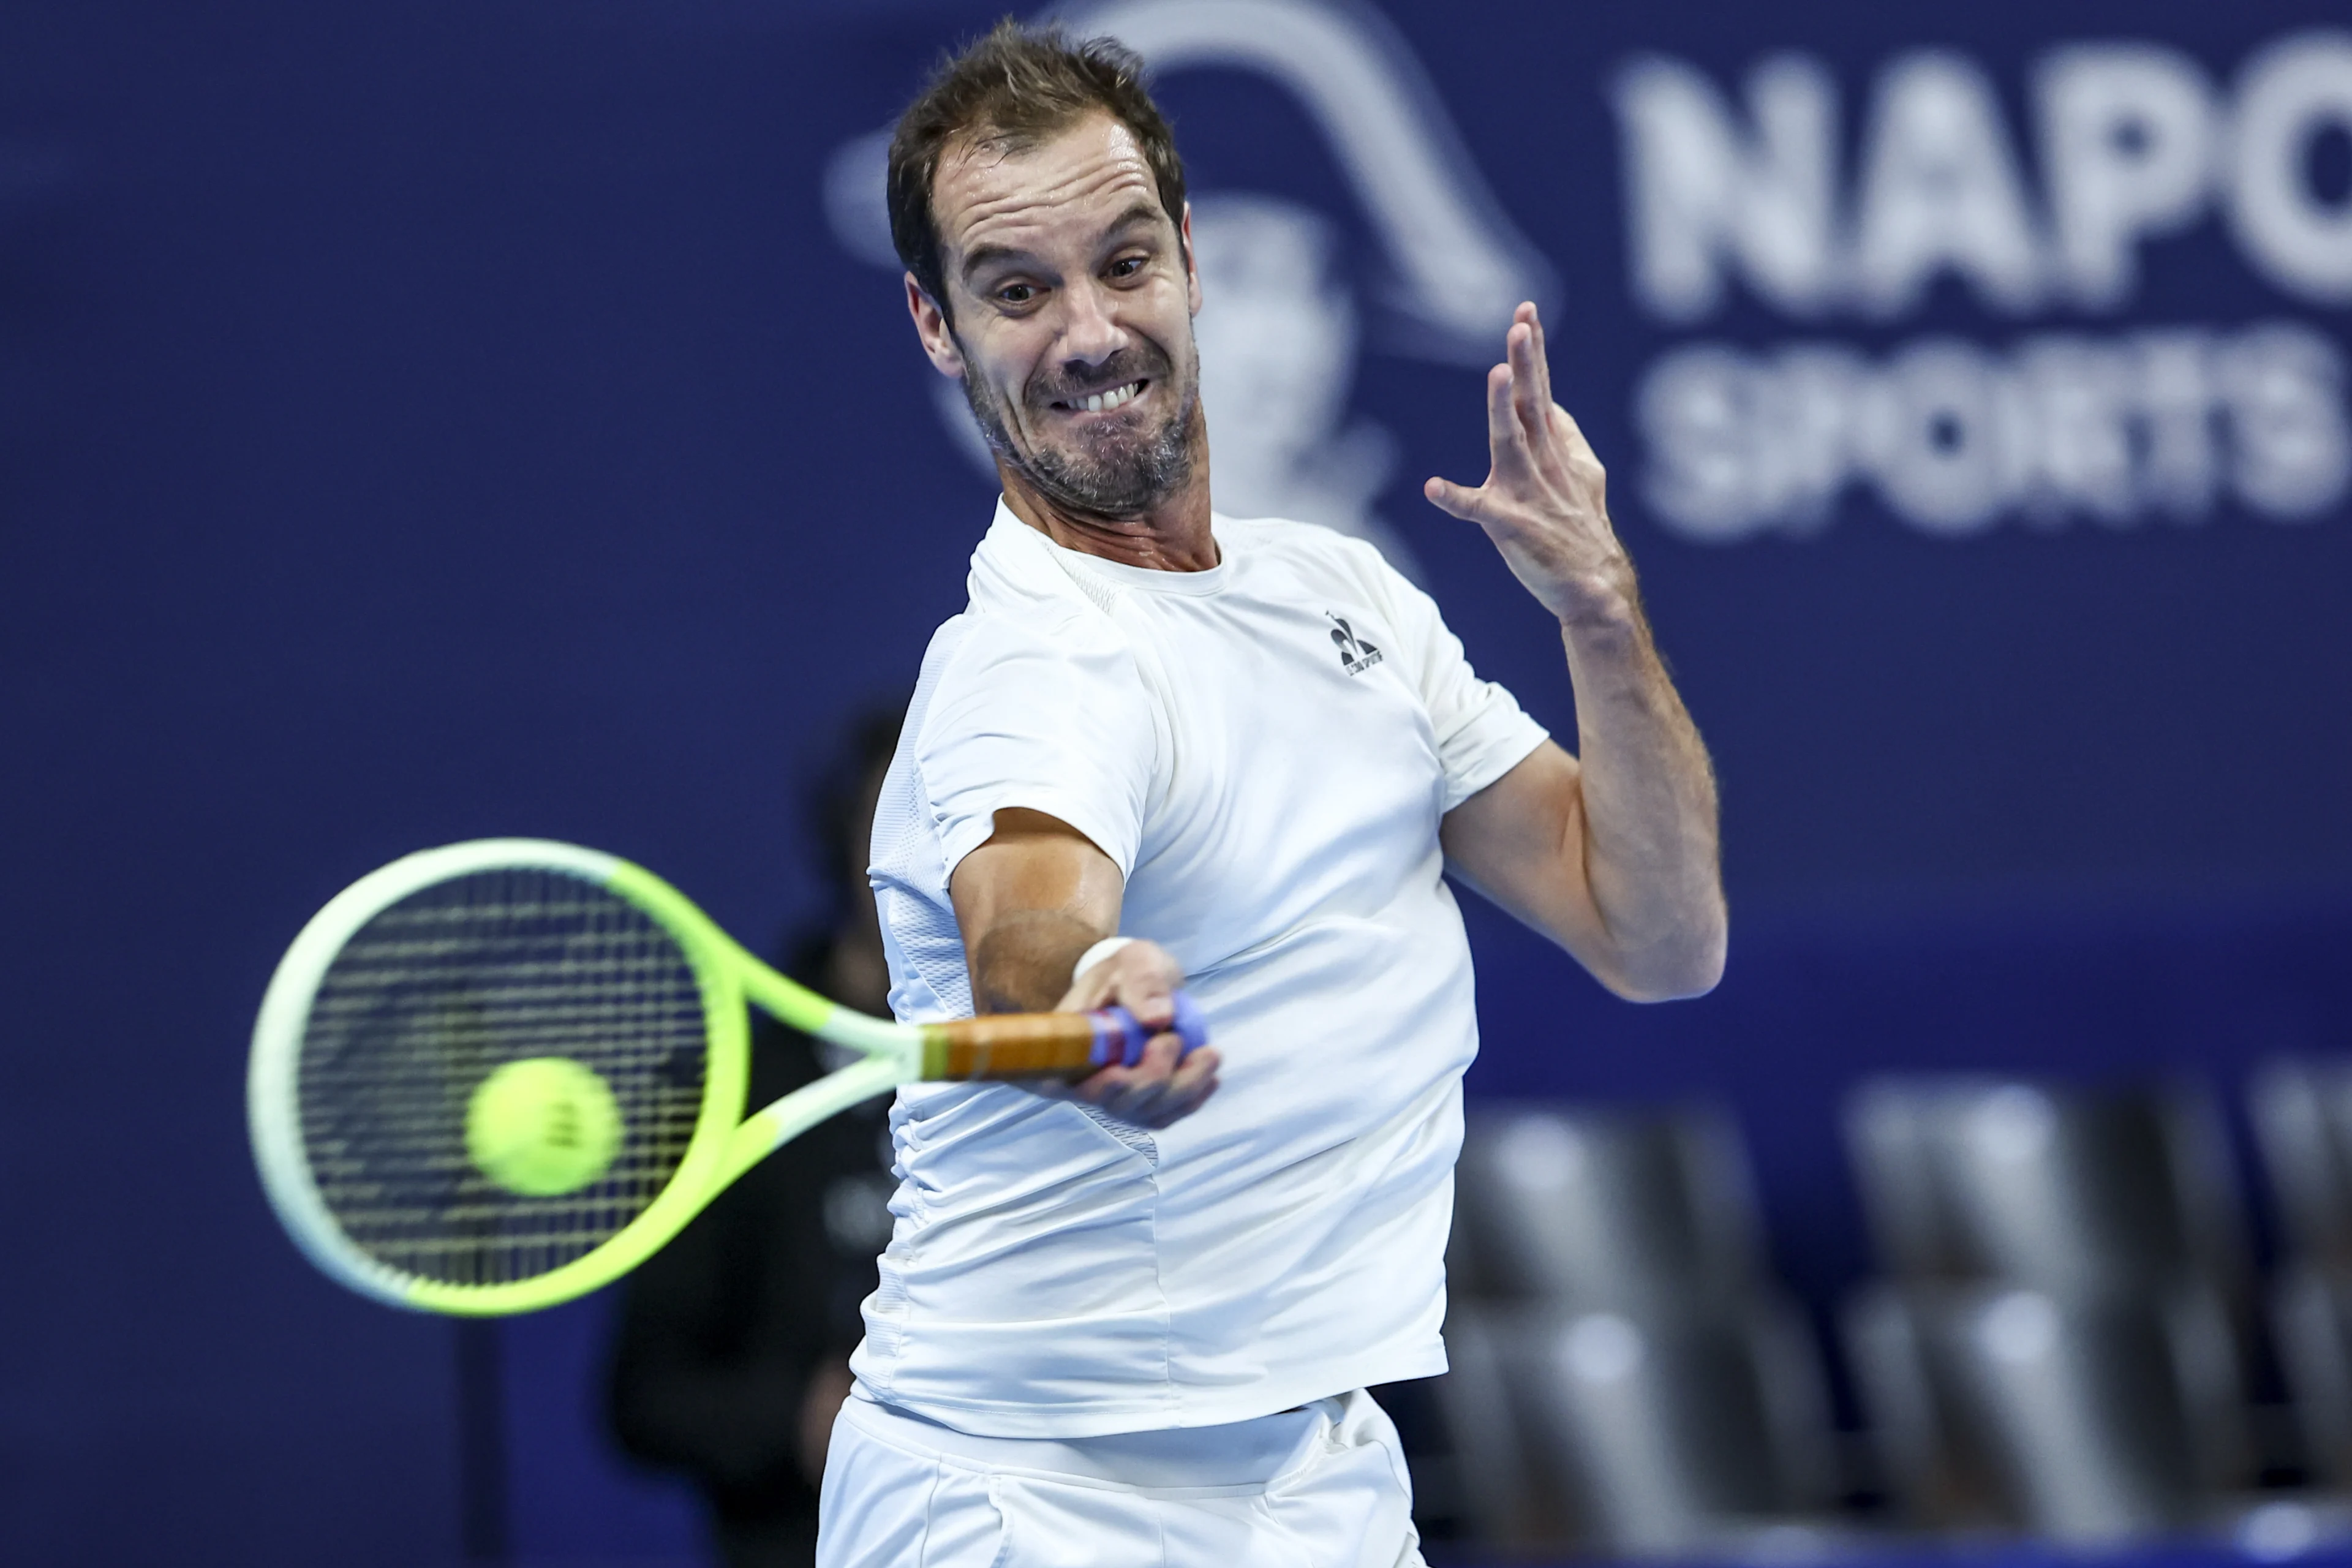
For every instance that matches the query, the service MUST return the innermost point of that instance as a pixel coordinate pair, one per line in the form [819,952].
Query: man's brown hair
[1011,89]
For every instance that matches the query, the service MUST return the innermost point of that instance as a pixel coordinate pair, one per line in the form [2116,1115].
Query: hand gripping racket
[417,983]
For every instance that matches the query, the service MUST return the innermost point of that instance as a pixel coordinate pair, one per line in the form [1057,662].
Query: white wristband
[1096,953]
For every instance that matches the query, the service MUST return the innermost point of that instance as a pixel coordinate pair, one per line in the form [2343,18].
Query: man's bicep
[1521,841]
[1029,900]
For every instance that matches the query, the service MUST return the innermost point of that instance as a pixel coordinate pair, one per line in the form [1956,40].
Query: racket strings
[436,992]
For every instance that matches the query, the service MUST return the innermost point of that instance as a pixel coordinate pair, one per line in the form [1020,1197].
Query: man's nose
[1090,332]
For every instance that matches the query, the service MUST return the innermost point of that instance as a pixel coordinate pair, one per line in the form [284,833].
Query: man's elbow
[1689,964]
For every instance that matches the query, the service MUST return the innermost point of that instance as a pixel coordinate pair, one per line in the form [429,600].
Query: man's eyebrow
[988,256]
[983,256]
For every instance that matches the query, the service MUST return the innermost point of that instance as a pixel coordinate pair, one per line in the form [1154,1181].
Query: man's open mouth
[1103,402]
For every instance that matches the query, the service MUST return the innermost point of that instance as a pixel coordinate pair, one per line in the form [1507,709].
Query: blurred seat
[2311,1318]
[2074,1192]
[2062,1345]
[2090,1420]
[2301,1113]
[1591,1207]
[1626,1378]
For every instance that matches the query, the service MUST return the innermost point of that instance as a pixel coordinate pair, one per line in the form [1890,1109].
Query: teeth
[1118,395]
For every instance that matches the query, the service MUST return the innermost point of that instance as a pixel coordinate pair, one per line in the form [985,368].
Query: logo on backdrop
[1283,323]
[2117,424]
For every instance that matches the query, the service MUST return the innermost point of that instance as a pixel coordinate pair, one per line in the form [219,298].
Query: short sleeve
[1482,732]
[1049,716]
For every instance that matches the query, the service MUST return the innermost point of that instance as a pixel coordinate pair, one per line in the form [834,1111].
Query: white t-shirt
[1266,749]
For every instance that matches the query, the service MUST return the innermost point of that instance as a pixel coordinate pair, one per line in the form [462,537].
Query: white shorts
[1320,1487]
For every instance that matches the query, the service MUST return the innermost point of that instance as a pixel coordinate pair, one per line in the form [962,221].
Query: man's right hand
[1165,1085]
[1030,902]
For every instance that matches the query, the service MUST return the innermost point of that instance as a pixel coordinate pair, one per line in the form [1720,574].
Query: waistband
[1243,1454]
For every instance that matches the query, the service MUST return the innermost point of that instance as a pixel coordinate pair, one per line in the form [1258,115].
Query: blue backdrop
[425,422]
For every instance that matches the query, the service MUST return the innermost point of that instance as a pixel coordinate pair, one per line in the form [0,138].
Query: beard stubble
[1116,474]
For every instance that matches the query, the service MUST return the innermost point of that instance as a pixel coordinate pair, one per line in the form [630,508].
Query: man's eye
[1127,266]
[1016,293]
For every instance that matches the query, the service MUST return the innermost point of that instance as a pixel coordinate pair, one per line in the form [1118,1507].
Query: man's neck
[1173,536]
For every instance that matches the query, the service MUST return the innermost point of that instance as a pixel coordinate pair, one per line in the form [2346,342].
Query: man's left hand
[1545,501]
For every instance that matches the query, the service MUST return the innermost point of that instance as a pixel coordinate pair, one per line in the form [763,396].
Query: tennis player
[1132,1322]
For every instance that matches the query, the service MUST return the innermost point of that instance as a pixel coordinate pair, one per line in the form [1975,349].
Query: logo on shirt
[1355,655]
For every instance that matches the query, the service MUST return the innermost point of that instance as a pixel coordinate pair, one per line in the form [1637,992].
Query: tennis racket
[400,999]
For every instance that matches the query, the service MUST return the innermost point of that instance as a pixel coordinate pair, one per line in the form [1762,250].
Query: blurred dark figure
[733,1351]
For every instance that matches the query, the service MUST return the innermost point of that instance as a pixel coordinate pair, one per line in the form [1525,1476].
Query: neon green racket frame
[724,1142]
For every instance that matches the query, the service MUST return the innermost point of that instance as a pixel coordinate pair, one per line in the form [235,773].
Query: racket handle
[1049,1045]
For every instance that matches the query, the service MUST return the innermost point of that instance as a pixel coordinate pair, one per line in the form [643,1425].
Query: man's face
[1073,296]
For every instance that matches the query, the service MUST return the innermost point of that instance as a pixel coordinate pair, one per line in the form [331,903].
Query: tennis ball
[542,1126]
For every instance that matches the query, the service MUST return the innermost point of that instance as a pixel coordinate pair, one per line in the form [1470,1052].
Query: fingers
[1532,396]
[1164,1087]
[1527,405]
[1194,1080]
[1141,977]
[1087,991]
[1524,429]
[1506,437]
[1555,446]
[1147,990]
[1512,463]
[1541,355]
[1456,500]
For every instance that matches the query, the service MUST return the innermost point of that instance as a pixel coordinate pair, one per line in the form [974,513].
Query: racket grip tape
[1049,1045]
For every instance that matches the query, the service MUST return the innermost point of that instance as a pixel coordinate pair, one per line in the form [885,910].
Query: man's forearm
[1621,867]
[1648,816]
[1030,900]
[1021,963]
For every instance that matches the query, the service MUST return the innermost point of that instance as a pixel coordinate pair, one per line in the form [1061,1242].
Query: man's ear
[1192,271]
[932,326]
